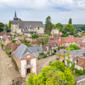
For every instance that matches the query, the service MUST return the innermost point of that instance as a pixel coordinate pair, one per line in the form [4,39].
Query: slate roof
[77,53]
[74,53]
[22,50]
[25,25]
[35,50]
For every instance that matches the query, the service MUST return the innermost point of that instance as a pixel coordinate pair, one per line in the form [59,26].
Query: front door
[28,70]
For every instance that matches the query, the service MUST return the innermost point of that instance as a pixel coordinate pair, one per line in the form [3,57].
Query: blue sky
[38,10]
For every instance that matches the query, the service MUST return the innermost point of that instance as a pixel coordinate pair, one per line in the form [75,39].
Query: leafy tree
[1,27]
[9,24]
[54,74]
[68,30]
[70,21]
[26,42]
[73,47]
[59,26]
[34,36]
[20,19]
[8,52]
[13,41]
[48,25]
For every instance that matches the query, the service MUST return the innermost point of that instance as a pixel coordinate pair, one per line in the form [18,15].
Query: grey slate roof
[25,25]
[22,50]
[35,50]
[74,53]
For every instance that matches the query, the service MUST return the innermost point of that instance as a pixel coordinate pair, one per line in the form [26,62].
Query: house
[26,27]
[49,48]
[55,32]
[6,39]
[26,59]
[4,34]
[12,46]
[76,57]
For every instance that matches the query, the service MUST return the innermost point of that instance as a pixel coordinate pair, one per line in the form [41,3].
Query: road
[45,62]
[7,69]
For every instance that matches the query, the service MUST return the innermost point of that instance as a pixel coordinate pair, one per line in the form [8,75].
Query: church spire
[15,17]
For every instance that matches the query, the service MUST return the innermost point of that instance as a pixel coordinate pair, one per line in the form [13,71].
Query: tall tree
[48,25]
[59,26]
[9,24]
[70,21]
[1,27]
[54,74]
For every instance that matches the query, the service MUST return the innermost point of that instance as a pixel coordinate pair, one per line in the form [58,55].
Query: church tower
[15,17]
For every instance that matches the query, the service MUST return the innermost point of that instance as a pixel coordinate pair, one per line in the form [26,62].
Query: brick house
[26,59]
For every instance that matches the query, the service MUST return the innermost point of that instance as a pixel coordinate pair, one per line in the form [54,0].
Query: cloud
[59,10]
[36,4]
[42,4]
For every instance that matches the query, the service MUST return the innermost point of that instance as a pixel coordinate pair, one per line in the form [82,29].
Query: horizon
[37,10]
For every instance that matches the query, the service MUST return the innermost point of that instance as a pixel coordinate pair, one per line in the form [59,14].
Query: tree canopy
[54,74]
[73,47]
[48,25]
[70,21]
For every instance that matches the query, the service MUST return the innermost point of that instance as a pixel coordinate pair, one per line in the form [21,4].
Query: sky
[37,10]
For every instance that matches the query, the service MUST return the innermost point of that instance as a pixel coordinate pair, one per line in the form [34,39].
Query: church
[28,27]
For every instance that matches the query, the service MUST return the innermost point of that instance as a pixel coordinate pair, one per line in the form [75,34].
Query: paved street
[7,69]
[45,62]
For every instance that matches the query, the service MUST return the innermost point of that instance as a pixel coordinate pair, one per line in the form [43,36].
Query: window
[28,62]
[38,28]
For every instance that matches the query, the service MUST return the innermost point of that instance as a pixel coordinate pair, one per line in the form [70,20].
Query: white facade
[15,28]
[34,65]
[23,68]
[55,31]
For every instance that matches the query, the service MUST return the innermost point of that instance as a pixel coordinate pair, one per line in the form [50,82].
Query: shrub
[42,55]
[1,44]
[8,52]
[16,67]
[35,36]
[26,42]
[73,47]
[13,41]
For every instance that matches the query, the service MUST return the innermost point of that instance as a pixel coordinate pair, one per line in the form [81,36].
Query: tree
[1,27]
[70,21]
[19,19]
[35,36]
[59,26]
[54,74]
[68,30]
[48,25]
[73,47]
[9,24]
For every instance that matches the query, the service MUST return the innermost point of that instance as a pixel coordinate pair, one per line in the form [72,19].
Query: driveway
[7,69]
